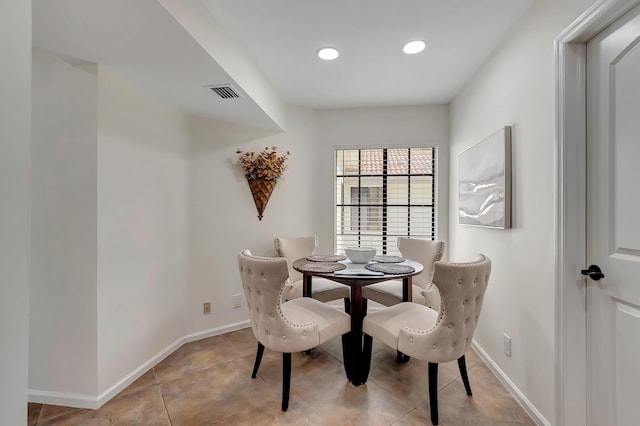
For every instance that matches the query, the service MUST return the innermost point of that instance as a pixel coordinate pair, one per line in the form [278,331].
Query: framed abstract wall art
[484,182]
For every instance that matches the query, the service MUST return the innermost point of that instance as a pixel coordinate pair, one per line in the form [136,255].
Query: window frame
[385,204]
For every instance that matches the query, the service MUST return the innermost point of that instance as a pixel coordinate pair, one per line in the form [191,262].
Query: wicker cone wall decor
[261,190]
[262,171]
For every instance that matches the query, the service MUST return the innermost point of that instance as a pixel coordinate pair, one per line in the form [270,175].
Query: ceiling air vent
[225,91]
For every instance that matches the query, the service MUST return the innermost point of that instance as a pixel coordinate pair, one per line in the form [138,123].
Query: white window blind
[382,194]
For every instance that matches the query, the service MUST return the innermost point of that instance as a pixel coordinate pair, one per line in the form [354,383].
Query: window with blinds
[382,194]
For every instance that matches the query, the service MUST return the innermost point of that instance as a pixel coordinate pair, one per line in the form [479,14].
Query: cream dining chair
[294,248]
[429,335]
[426,252]
[293,326]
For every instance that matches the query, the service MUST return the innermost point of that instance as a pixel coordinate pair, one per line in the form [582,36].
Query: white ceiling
[147,42]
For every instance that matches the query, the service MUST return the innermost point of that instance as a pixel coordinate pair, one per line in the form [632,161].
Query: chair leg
[256,365]
[364,307]
[462,364]
[366,357]
[402,358]
[347,305]
[286,380]
[433,391]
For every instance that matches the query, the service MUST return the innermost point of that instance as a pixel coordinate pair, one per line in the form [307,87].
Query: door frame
[571,207]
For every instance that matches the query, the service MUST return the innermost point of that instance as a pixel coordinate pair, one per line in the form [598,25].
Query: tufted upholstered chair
[433,336]
[294,248]
[427,252]
[292,326]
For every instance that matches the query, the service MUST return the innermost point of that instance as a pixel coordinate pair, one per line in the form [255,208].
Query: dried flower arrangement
[264,165]
[262,171]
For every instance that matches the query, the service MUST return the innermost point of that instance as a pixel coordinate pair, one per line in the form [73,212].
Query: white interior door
[613,223]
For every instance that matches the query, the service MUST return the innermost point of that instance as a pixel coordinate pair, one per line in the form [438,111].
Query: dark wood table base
[352,342]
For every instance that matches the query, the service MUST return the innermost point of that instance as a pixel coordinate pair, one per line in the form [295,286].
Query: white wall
[142,202]
[419,126]
[173,208]
[152,203]
[223,218]
[15,146]
[516,87]
[196,19]
[110,231]
[63,341]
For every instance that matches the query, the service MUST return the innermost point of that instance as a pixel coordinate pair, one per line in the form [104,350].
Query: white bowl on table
[360,254]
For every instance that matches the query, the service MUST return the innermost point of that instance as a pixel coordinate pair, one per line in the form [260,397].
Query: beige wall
[516,87]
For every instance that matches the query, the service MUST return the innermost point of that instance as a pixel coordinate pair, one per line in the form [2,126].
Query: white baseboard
[63,398]
[97,401]
[511,387]
[216,331]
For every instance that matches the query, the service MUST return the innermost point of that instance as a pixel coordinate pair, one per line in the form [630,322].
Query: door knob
[593,272]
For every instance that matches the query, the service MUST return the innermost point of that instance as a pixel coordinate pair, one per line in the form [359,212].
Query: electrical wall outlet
[507,345]
[206,308]
[236,301]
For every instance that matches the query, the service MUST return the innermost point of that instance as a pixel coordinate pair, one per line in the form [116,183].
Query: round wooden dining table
[356,277]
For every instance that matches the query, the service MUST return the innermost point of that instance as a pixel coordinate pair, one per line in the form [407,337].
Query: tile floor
[208,382]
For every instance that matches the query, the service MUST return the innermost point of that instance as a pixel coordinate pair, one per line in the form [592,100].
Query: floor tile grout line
[59,415]
[164,403]
[39,415]
[390,392]
[402,417]
[328,353]
[238,351]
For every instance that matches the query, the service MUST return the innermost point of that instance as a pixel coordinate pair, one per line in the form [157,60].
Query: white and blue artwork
[484,182]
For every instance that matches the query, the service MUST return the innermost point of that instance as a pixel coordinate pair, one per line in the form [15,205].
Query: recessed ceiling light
[414,47]
[328,53]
